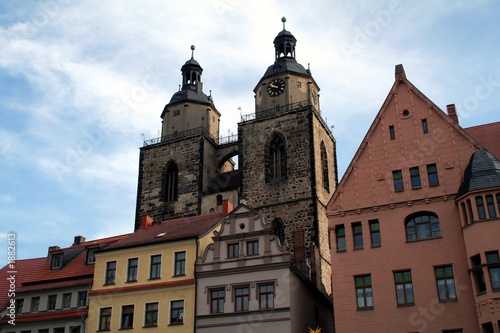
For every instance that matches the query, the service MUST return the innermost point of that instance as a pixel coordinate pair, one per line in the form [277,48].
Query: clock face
[276,87]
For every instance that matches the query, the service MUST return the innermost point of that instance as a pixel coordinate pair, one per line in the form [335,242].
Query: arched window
[279,230]
[422,225]
[276,160]
[170,182]
[324,167]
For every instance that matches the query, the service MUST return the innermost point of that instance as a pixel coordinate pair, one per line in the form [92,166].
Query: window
[415,178]
[480,208]
[276,161]
[151,315]
[340,236]
[110,272]
[253,248]
[75,329]
[425,127]
[478,274]
[490,203]
[324,167]
[155,267]
[421,226]
[498,201]
[105,319]
[364,292]
[233,250]
[392,134]
[180,263]
[177,112]
[404,288]
[91,256]
[66,301]
[56,261]
[445,283]
[217,301]
[43,330]
[375,233]
[127,316]
[453,331]
[241,298]
[82,299]
[170,182]
[176,312]
[35,302]
[58,330]
[357,234]
[19,305]
[132,269]
[432,175]
[279,230]
[397,176]
[493,260]
[51,302]
[266,296]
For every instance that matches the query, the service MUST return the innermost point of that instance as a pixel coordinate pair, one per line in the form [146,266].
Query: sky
[83,83]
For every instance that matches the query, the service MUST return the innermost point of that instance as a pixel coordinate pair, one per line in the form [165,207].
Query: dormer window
[57,261]
[91,256]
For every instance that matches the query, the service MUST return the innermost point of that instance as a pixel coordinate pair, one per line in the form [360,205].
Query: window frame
[397,178]
[233,250]
[148,311]
[110,274]
[132,269]
[425,126]
[127,316]
[105,318]
[405,281]
[375,232]
[366,289]
[340,238]
[415,180]
[417,233]
[357,235]
[217,301]
[51,302]
[176,312]
[493,264]
[155,267]
[241,300]
[57,261]
[450,290]
[266,297]
[66,301]
[392,132]
[82,296]
[432,174]
[35,304]
[180,263]
[252,247]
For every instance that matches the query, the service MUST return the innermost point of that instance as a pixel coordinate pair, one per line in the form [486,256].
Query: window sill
[365,309]
[104,330]
[341,251]
[376,246]
[125,328]
[151,326]
[423,239]
[175,324]
[405,305]
[358,248]
[154,278]
[109,284]
[448,300]
[416,188]
[179,275]
[131,281]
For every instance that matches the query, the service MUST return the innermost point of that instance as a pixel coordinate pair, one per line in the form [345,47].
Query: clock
[276,87]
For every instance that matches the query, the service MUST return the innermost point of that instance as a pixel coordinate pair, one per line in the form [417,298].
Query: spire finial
[192,51]
[283,19]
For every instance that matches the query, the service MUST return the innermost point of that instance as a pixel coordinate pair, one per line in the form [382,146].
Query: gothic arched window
[279,230]
[422,225]
[324,167]
[170,182]
[276,160]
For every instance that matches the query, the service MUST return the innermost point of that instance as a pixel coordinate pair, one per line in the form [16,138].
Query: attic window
[56,261]
[161,234]
[91,256]
[406,113]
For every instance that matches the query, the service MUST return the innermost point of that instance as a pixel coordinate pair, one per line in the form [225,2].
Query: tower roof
[482,172]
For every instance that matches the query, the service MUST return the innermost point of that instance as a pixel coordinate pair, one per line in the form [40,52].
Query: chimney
[227,207]
[79,240]
[146,221]
[452,112]
[400,73]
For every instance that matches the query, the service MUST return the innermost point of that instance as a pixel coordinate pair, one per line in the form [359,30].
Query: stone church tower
[286,159]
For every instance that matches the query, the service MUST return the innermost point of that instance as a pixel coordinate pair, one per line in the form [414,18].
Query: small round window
[406,113]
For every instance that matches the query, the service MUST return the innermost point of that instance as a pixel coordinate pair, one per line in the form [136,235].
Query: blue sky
[81,83]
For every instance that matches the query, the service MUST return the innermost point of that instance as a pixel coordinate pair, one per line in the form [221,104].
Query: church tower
[287,158]
[176,169]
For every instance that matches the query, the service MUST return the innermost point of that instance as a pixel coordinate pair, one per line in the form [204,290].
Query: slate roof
[482,172]
[487,135]
[167,231]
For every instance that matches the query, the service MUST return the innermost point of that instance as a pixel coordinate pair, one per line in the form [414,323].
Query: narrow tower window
[324,167]
[392,134]
[425,128]
[276,162]
[170,182]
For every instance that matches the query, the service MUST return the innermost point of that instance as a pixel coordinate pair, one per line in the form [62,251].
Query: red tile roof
[167,231]
[50,315]
[487,135]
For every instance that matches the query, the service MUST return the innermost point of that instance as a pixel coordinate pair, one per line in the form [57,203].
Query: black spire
[191,72]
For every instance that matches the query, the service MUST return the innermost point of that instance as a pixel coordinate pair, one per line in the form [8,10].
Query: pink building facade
[401,248]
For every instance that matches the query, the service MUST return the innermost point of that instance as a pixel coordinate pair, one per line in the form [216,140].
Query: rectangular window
[233,250]
[110,272]
[19,305]
[35,302]
[498,201]
[425,127]
[445,284]
[127,316]
[217,301]
[415,178]
[490,203]
[176,312]
[364,292]
[253,248]
[493,260]
[56,261]
[340,236]
[357,234]
[392,133]
[58,330]
[105,319]
[480,208]
[180,263]
[266,296]
[91,256]
[241,298]
[66,301]
[155,267]
[375,233]
[432,175]
[43,330]
[151,315]
[477,272]
[132,269]
[75,329]
[82,299]
[404,287]
[397,176]
[51,302]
